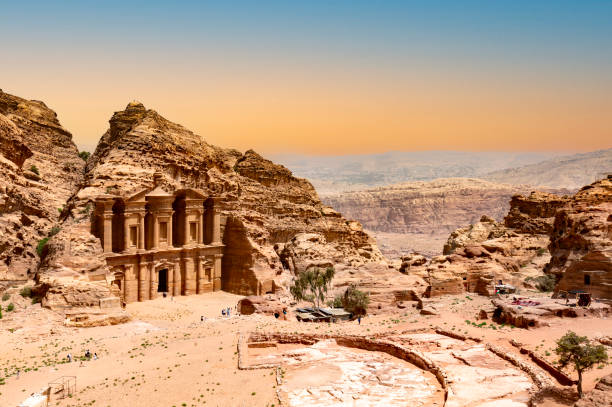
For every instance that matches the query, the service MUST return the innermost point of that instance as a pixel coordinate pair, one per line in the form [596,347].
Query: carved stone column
[190,278]
[141,231]
[127,273]
[143,289]
[170,280]
[126,233]
[202,218]
[177,278]
[217,272]
[155,243]
[216,232]
[108,232]
[186,228]
[153,282]
[199,234]
[169,231]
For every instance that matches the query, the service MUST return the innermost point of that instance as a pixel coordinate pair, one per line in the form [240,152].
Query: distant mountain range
[570,172]
[333,174]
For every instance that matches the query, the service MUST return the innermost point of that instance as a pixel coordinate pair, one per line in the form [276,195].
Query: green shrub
[6,296]
[35,300]
[544,283]
[54,231]
[26,292]
[541,251]
[0,311]
[34,169]
[84,155]
[336,302]
[41,246]
[10,307]
[354,301]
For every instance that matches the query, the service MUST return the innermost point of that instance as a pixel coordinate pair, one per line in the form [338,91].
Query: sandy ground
[167,357]
[395,245]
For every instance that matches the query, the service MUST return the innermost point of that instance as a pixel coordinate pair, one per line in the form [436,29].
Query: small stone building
[155,242]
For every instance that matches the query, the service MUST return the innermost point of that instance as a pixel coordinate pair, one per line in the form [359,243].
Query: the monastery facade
[155,242]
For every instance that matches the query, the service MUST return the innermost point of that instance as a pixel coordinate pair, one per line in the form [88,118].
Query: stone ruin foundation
[418,367]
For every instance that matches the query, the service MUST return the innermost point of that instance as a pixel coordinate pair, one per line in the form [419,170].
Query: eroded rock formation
[477,256]
[39,170]
[581,241]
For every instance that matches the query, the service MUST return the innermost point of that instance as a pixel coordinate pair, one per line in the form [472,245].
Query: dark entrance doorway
[162,283]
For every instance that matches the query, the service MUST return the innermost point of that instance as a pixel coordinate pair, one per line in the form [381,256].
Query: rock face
[39,170]
[600,396]
[273,224]
[581,241]
[477,256]
[534,213]
[407,217]
[442,205]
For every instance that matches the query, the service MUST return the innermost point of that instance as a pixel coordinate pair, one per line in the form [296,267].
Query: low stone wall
[545,387]
[561,377]
[539,377]
[456,335]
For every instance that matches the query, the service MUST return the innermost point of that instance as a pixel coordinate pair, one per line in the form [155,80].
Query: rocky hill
[39,170]
[571,172]
[265,209]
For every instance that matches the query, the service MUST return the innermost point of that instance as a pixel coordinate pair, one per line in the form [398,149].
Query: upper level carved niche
[156,220]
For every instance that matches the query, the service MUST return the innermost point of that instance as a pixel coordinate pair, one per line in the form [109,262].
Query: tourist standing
[359,319]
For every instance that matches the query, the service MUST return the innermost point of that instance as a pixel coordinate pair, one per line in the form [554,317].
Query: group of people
[226,312]
[88,356]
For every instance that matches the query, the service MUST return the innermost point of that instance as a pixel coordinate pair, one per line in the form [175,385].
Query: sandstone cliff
[268,213]
[581,241]
[478,255]
[418,216]
[441,205]
[39,170]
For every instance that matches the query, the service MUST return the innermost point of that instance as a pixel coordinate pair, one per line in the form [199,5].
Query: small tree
[580,353]
[355,301]
[84,155]
[312,285]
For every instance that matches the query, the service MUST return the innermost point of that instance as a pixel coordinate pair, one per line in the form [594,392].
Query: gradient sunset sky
[333,77]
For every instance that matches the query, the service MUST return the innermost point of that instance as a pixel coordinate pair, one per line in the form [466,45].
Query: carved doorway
[162,281]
